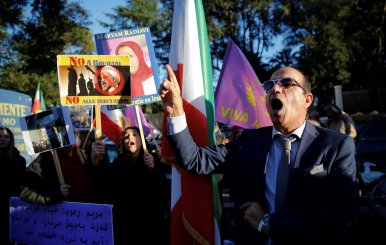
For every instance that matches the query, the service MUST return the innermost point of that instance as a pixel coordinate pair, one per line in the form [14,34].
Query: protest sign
[108,79]
[13,106]
[137,44]
[47,130]
[61,223]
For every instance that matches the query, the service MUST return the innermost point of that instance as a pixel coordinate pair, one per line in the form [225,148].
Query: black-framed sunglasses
[282,82]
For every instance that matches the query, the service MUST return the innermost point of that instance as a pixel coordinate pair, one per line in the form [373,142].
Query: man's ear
[309,99]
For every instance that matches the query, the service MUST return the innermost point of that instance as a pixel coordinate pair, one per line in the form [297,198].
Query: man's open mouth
[276,104]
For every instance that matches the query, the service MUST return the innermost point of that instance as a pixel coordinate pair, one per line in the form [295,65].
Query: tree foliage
[51,28]
[368,63]
[247,23]
[341,41]
[333,41]
[56,25]
[11,13]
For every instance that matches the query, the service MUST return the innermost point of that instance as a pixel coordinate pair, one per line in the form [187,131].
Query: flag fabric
[39,104]
[153,129]
[132,120]
[192,202]
[113,122]
[239,96]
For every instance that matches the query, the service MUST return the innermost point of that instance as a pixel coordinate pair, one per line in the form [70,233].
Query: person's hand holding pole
[97,152]
[171,94]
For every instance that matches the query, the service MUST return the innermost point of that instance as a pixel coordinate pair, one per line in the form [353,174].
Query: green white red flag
[192,202]
[39,104]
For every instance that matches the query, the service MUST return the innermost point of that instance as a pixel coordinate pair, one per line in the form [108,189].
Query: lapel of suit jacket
[309,135]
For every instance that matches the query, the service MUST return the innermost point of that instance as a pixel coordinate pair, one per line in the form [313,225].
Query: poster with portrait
[94,79]
[47,130]
[137,44]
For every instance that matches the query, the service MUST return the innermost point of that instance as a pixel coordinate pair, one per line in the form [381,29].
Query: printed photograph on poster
[137,44]
[47,130]
[94,79]
[81,117]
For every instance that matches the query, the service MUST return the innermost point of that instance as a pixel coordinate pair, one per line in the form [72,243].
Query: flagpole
[140,127]
[57,166]
[98,122]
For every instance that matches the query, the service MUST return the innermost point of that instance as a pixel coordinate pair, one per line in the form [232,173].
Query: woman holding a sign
[135,182]
[43,184]
[12,172]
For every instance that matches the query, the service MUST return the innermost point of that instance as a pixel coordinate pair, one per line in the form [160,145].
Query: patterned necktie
[283,172]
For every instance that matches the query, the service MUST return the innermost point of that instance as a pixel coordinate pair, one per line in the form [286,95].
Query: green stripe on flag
[206,69]
[41,97]
[207,75]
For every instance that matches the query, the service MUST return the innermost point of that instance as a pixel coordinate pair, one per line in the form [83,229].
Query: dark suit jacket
[323,193]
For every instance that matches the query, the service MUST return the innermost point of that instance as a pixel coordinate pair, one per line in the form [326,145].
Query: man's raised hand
[171,94]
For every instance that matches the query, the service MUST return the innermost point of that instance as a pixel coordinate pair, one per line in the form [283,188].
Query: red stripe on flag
[178,227]
[192,187]
[36,107]
[111,129]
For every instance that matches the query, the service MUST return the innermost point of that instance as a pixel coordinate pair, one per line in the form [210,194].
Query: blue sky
[97,10]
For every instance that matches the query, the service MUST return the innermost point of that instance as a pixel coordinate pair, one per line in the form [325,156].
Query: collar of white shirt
[298,132]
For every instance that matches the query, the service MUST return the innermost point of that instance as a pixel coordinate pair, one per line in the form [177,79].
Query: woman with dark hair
[42,185]
[136,183]
[12,172]
[141,75]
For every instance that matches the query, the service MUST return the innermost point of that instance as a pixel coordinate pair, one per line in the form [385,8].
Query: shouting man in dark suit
[313,198]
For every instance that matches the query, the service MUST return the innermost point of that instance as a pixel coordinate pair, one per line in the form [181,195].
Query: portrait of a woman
[141,75]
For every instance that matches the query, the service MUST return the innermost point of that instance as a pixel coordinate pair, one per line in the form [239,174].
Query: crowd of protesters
[135,183]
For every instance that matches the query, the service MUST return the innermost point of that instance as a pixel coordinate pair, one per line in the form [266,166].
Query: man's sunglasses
[282,82]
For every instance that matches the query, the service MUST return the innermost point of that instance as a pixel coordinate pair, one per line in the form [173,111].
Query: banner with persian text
[61,223]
